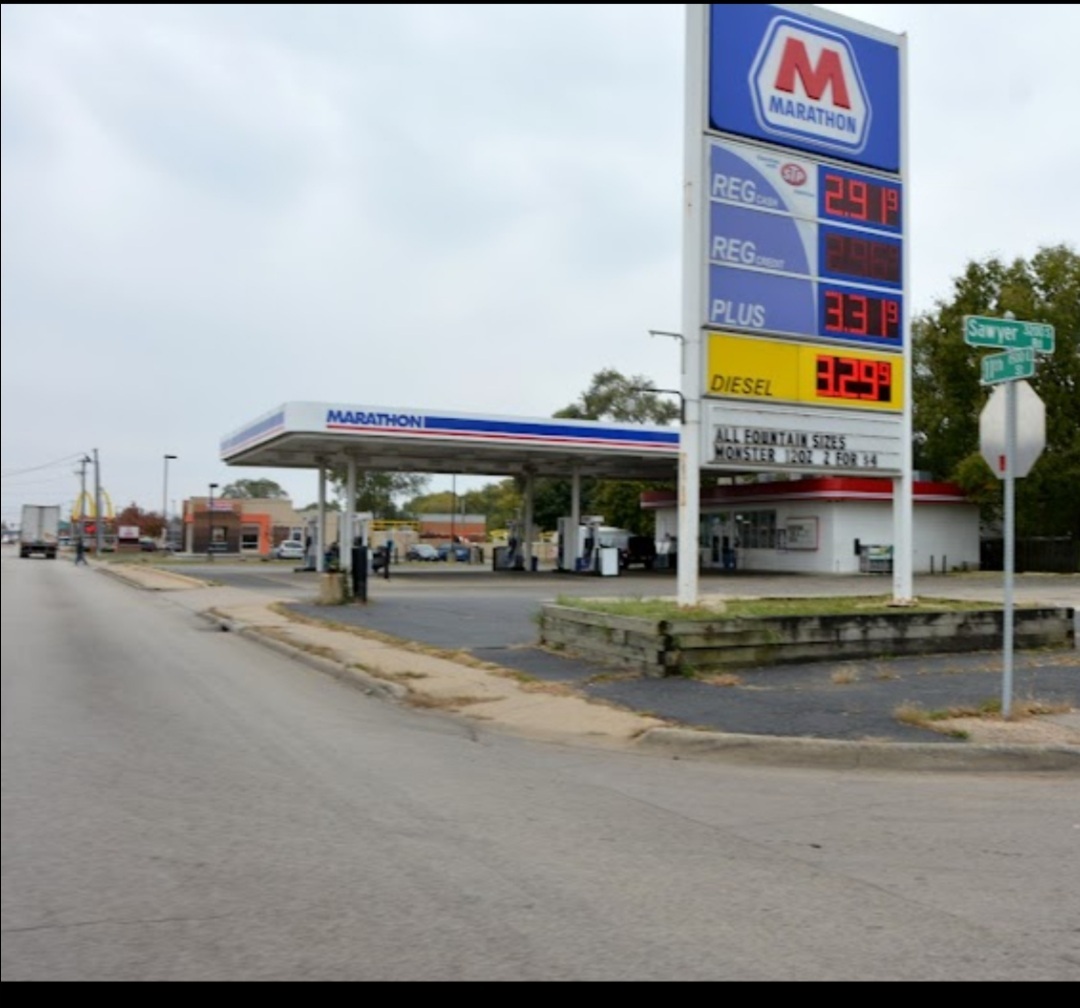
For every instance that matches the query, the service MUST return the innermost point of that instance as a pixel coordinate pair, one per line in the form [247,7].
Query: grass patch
[668,610]
[846,677]
[990,710]
[725,681]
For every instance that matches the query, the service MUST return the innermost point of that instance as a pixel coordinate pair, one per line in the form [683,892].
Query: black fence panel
[1035,556]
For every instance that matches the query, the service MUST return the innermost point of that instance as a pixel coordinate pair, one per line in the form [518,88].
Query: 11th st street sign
[1014,365]
[1008,334]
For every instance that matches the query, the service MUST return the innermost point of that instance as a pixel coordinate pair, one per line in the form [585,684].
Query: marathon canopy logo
[365,420]
[806,85]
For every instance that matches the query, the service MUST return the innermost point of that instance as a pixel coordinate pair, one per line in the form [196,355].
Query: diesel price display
[853,379]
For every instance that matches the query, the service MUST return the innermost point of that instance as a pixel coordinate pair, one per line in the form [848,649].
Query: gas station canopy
[319,436]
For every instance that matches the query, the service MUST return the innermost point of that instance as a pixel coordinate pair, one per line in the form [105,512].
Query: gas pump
[360,555]
[579,544]
[311,543]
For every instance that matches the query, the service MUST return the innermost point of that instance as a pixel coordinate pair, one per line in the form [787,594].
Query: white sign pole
[904,487]
[695,202]
[1010,546]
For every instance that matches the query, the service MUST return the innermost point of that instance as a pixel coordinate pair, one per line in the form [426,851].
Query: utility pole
[98,522]
[85,461]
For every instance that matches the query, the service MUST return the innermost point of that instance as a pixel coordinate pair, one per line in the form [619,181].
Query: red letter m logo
[815,80]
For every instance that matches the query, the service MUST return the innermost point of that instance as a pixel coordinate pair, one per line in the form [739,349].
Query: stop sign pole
[1009,369]
[1010,549]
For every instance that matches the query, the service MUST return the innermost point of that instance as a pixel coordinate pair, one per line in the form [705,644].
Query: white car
[291,549]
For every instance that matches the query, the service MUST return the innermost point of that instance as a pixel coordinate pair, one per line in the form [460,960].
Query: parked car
[461,553]
[291,549]
[148,545]
[423,552]
[640,551]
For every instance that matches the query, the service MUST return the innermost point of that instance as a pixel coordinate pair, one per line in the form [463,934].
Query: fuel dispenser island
[587,547]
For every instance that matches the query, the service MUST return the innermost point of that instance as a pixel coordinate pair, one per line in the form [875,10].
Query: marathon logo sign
[806,86]
[362,420]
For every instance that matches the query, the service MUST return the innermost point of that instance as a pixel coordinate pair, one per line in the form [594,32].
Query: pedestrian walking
[80,553]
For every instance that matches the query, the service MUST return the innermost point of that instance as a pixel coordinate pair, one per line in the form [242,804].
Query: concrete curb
[130,578]
[347,674]
[838,755]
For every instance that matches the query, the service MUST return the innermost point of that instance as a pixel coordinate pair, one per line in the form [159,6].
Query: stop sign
[1030,430]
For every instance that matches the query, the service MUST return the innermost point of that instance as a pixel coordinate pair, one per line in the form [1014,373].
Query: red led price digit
[870,388]
[886,263]
[860,200]
[859,315]
[827,377]
[892,317]
[849,378]
[885,373]
[834,196]
[892,207]
[835,320]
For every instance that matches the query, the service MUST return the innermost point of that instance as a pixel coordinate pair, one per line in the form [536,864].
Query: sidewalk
[552,699]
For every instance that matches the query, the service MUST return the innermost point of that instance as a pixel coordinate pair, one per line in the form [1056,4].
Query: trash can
[609,561]
[360,573]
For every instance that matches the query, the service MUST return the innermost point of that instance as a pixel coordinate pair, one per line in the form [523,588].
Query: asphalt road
[179,805]
[493,617]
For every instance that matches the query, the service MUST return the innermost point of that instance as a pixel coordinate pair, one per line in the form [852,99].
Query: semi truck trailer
[40,531]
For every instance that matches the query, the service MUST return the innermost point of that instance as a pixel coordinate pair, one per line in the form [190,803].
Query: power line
[53,481]
[51,465]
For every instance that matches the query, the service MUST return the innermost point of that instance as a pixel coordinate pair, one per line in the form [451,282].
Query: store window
[250,539]
[757,530]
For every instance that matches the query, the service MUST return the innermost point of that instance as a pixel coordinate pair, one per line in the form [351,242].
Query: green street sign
[1009,334]
[1014,365]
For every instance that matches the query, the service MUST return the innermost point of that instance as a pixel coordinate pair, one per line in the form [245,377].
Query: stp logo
[794,174]
[806,85]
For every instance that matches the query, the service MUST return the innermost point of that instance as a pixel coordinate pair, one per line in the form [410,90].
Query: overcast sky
[213,209]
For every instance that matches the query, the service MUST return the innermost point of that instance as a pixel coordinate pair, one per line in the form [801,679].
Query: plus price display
[861,315]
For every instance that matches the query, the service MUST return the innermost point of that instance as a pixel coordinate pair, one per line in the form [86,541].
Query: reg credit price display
[801,248]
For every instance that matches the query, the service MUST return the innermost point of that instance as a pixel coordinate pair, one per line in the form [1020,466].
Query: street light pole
[210,530]
[452,555]
[165,537]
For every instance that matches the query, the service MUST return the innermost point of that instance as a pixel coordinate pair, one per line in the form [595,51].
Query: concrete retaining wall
[660,648]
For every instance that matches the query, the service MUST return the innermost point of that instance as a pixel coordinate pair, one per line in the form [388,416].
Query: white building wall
[946,536]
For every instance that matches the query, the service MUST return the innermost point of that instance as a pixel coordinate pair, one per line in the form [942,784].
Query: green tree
[949,397]
[380,493]
[499,503]
[615,397]
[254,490]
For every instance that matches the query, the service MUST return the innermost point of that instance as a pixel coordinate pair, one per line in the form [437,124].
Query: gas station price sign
[750,369]
[801,248]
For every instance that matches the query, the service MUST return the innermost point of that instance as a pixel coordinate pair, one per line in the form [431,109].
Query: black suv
[640,552]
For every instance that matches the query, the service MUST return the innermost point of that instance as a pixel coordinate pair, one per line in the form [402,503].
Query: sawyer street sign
[1013,365]
[1007,334]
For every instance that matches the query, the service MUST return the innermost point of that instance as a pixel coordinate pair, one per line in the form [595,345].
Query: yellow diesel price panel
[764,370]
